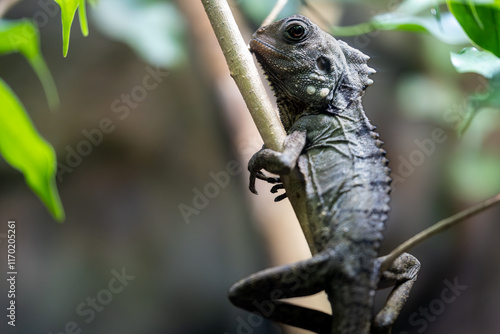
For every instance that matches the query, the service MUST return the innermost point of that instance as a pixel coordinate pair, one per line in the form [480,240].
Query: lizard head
[307,66]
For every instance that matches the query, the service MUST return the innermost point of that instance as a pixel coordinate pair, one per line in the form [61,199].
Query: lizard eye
[296,32]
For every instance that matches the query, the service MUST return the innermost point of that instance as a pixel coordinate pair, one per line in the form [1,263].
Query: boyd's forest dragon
[319,82]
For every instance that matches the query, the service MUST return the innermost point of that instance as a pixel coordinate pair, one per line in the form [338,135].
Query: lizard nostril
[260,30]
[324,64]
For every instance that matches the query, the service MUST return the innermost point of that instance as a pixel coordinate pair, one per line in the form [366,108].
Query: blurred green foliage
[20,144]
[473,168]
[412,16]
[472,60]
[22,36]
[476,162]
[154,29]
[24,149]
[68,10]
[480,19]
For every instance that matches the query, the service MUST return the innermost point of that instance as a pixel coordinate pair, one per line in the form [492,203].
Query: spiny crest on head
[357,65]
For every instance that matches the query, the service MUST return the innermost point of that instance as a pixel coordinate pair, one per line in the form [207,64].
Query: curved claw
[251,184]
[269,179]
[277,187]
[261,176]
[280,197]
[257,175]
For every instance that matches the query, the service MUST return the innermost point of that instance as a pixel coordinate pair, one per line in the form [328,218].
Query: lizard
[319,82]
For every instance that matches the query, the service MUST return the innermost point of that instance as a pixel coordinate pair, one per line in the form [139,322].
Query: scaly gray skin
[319,82]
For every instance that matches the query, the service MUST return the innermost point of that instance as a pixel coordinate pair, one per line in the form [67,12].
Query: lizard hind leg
[262,291]
[402,274]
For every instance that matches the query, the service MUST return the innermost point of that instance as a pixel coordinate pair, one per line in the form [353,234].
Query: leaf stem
[438,227]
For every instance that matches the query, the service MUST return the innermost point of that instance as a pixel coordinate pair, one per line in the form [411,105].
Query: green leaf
[472,60]
[485,99]
[480,21]
[22,36]
[153,29]
[412,7]
[446,29]
[68,10]
[24,149]
[82,15]
[476,175]
[476,162]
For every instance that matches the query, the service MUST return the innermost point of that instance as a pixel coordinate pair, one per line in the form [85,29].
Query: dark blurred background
[133,208]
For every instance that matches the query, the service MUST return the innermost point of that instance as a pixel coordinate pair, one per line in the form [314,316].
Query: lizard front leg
[276,162]
[402,274]
[260,293]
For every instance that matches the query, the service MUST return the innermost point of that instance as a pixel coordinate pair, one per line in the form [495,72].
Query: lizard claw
[280,197]
[253,176]
[277,187]
[251,185]
[268,179]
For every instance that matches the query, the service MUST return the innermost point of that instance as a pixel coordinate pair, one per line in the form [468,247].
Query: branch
[278,7]
[245,74]
[439,227]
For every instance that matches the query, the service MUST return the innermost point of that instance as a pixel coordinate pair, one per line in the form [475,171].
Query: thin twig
[440,226]
[278,7]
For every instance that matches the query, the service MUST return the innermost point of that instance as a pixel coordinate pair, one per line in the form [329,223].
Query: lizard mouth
[264,51]
[261,48]
[267,56]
